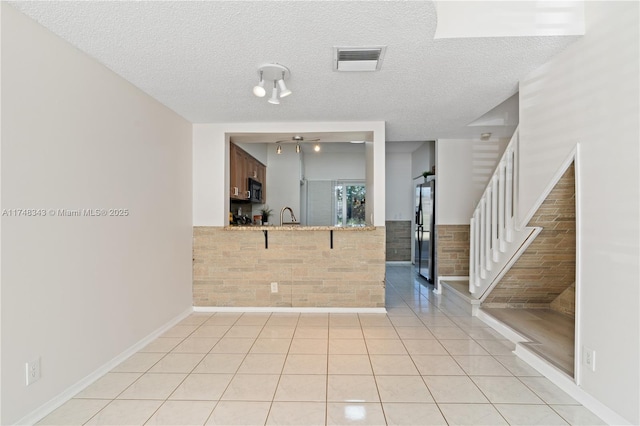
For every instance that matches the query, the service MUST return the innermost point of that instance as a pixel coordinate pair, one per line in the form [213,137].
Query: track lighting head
[279,149]
[274,95]
[283,88]
[298,148]
[316,148]
[276,73]
[258,89]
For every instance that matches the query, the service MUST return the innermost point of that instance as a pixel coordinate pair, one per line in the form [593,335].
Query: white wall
[335,166]
[423,158]
[463,169]
[78,291]
[259,151]
[211,157]
[399,202]
[283,184]
[589,94]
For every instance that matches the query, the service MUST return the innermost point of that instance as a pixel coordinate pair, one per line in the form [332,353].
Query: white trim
[577,340]
[567,384]
[304,310]
[554,181]
[46,408]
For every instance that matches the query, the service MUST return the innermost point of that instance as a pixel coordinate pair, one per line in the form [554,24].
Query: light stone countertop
[298,228]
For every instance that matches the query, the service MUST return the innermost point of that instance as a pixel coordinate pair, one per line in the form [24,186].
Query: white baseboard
[568,385]
[46,408]
[292,310]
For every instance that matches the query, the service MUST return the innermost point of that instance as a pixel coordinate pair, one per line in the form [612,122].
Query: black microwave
[255,191]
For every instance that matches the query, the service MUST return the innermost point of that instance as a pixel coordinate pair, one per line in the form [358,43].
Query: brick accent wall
[547,267]
[233,268]
[452,250]
[566,302]
[398,240]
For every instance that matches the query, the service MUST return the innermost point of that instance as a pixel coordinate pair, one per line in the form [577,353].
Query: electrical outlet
[589,358]
[274,287]
[33,371]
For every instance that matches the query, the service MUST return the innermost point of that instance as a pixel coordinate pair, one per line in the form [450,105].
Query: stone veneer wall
[398,240]
[452,250]
[232,268]
[547,268]
[566,302]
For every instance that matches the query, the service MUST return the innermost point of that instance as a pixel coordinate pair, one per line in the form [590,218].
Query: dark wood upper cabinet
[243,166]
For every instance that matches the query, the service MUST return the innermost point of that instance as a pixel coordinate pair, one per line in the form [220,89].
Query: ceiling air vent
[358,58]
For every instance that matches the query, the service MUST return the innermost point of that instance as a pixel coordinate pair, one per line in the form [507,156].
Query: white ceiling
[201,58]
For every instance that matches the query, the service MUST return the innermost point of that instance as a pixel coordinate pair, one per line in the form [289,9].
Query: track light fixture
[276,73]
[298,140]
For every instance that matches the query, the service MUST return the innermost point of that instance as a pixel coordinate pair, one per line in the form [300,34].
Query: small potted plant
[266,212]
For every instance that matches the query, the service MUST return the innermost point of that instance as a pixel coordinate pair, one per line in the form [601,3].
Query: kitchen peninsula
[313,266]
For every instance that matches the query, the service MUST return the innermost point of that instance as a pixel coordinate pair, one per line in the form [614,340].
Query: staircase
[495,238]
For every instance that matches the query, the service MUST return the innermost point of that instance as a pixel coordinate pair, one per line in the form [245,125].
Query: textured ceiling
[201,58]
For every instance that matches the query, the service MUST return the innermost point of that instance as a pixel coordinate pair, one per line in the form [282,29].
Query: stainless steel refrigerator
[424,253]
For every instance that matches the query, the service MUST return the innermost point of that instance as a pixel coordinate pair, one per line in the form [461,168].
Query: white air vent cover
[358,58]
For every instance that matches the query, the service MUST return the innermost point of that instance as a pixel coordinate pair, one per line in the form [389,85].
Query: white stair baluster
[487,234]
[502,246]
[472,266]
[483,223]
[509,196]
[494,219]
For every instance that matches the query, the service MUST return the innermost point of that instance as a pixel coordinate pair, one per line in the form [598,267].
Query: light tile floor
[422,363]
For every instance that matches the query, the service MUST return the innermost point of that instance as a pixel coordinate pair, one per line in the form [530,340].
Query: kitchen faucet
[293,217]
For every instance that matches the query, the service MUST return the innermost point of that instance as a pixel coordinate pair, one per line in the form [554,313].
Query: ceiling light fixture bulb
[283,87]
[298,148]
[274,95]
[316,148]
[279,149]
[258,89]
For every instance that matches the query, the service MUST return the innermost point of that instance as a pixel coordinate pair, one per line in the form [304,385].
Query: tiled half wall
[234,269]
[547,267]
[398,240]
[452,250]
